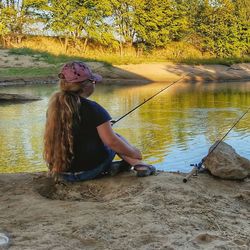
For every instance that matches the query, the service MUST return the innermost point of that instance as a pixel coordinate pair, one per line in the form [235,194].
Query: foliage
[160,21]
[78,19]
[17,15]
[218,27]
[123,19]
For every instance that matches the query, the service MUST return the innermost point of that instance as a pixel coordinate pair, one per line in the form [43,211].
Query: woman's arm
[113,141]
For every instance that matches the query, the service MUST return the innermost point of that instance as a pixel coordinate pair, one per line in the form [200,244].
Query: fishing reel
[197,167]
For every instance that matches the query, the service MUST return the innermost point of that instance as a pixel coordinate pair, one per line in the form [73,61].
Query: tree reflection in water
[174,129]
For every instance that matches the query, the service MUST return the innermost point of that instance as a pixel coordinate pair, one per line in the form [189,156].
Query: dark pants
[90,174]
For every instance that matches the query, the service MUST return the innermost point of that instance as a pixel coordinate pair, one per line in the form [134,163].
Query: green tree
[122,21]
[78,19]
[242,12]
[161,21]
[216,23]
[16,17]
[180,25]
[152,22]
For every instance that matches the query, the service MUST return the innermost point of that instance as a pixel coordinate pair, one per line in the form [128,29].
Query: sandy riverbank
[129,74]
[154,72]
[125,212]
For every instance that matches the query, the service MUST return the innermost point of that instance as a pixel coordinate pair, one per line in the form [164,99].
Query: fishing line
[145,101]
[198,166]
[227,133]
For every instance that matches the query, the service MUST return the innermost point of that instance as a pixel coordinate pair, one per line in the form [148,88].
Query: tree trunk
[139,52]
[61,42]
[66,42]
[19,38]
[85,44]
[1,40]
[121,49]
[6,41]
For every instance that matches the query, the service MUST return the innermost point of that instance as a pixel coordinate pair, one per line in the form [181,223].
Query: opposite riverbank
[21,69]
[147,73]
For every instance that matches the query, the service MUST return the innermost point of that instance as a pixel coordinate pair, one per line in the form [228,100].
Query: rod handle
[185,179]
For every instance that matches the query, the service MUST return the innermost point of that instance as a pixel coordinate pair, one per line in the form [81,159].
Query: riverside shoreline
[153,72]
[125,212]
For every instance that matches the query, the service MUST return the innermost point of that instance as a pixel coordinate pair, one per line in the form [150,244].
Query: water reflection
[173,130]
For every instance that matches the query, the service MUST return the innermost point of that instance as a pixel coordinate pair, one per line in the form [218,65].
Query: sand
[125,212]
[130,74]
[11,60]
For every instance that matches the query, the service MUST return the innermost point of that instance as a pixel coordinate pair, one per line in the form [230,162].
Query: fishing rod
[145,101]
[197,167]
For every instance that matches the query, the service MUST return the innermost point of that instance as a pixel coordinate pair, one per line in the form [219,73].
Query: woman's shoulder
[91,104]
[95,110]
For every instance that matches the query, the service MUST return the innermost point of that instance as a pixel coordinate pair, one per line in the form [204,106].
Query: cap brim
[96,77]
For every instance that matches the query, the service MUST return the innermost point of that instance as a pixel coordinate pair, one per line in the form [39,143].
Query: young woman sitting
[79,142]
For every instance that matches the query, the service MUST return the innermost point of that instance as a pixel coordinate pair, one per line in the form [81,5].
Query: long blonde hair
[62,115]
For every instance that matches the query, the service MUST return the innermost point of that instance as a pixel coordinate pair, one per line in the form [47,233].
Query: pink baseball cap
[74,72]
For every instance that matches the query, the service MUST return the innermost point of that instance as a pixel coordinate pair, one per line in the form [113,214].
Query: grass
[108,59]
[48,57]
[113,59]
[54,61]
[28,72]
[50,51]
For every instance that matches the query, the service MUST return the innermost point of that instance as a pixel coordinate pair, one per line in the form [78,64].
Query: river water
[173,130]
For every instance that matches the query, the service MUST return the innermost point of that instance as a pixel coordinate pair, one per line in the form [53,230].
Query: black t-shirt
[89,150]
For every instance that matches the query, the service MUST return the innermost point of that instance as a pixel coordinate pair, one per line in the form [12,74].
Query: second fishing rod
[196,167]
[199,166]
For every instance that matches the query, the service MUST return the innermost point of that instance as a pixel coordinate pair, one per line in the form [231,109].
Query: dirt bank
[128,74]
[125,212]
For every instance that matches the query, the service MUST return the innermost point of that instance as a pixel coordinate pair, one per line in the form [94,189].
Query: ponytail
[62,115]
